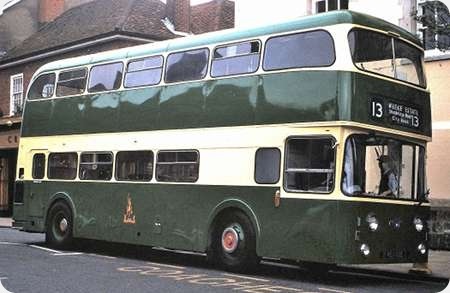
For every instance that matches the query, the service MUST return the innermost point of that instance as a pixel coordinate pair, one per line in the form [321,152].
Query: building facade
[70,28]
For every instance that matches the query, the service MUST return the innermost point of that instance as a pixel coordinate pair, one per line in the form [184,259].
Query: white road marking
[67,253]
[10,243]
[45,249]
[247,278]
[3,289]
[332,290]
[164,265]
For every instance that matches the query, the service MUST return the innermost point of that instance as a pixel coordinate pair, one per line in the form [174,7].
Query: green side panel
[179,216]
[304,96]
[181,106]
[230,102]
[139,108]
[388,244]
[278,98]
[297,97]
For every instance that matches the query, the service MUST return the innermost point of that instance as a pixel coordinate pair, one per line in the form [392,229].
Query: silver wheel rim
[63,224]
[231,237]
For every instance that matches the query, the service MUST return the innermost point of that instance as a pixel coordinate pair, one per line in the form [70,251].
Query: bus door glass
[37,187]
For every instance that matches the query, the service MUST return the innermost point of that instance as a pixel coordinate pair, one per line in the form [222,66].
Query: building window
[16,99]
[330,5]
[310,165]
[434,17]
[177,166]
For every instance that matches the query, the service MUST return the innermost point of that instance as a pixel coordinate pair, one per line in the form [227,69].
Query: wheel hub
[230,239]
[63,224]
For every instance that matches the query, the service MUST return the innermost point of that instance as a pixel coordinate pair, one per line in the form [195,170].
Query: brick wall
[50,9]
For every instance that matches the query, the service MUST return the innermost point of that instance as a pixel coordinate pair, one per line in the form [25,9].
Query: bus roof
[313,21]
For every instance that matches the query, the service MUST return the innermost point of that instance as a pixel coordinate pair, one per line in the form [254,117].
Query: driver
[388,180]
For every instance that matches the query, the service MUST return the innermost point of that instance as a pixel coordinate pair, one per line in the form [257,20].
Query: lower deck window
[62,165]
[177,166]
[96,166]
[267,165]
[134,166]
[38,166]
[310,165]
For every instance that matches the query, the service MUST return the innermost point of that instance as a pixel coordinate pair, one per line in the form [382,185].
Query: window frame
[12,103]
[394,38]
[310,137]
[76,164]
[167,163]
[279,165]
[207,69]
[35,79]
[116,165]
[96,163]
[125,72]
[33,168]
[421,162]
[260,53]
[119,61]
[295,67]
[86,77]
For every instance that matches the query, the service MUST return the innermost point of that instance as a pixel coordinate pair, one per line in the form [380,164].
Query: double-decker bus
[301,141]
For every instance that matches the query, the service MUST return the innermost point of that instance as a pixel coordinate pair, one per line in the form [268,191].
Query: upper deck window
[188,65]
[71,82]
[236,59]
[105,77]
[385,55]
[42,87]
[309,49]
[144,72]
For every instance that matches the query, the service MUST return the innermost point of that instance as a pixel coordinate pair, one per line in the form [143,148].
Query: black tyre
[233,243]
[59,226]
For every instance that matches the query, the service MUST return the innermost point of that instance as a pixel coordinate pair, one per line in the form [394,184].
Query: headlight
[365,250]
[373,222]
[422,248]
[418,224]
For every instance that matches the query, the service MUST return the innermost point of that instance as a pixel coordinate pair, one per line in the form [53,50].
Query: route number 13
[377,109]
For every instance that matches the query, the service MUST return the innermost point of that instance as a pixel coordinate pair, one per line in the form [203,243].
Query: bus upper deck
[325,68]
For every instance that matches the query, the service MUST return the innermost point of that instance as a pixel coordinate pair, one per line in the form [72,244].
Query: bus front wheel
[234,243]
[59,226]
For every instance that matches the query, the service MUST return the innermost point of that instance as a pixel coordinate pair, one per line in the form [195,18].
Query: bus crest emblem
[129,217]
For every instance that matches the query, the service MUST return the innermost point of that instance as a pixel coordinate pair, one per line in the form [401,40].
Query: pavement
[5,222]
[438,261]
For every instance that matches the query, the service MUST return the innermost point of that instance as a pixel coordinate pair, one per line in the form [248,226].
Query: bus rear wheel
[234,243]
[59,226]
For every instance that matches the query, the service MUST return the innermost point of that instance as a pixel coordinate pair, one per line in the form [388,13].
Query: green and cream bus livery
[301,141]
